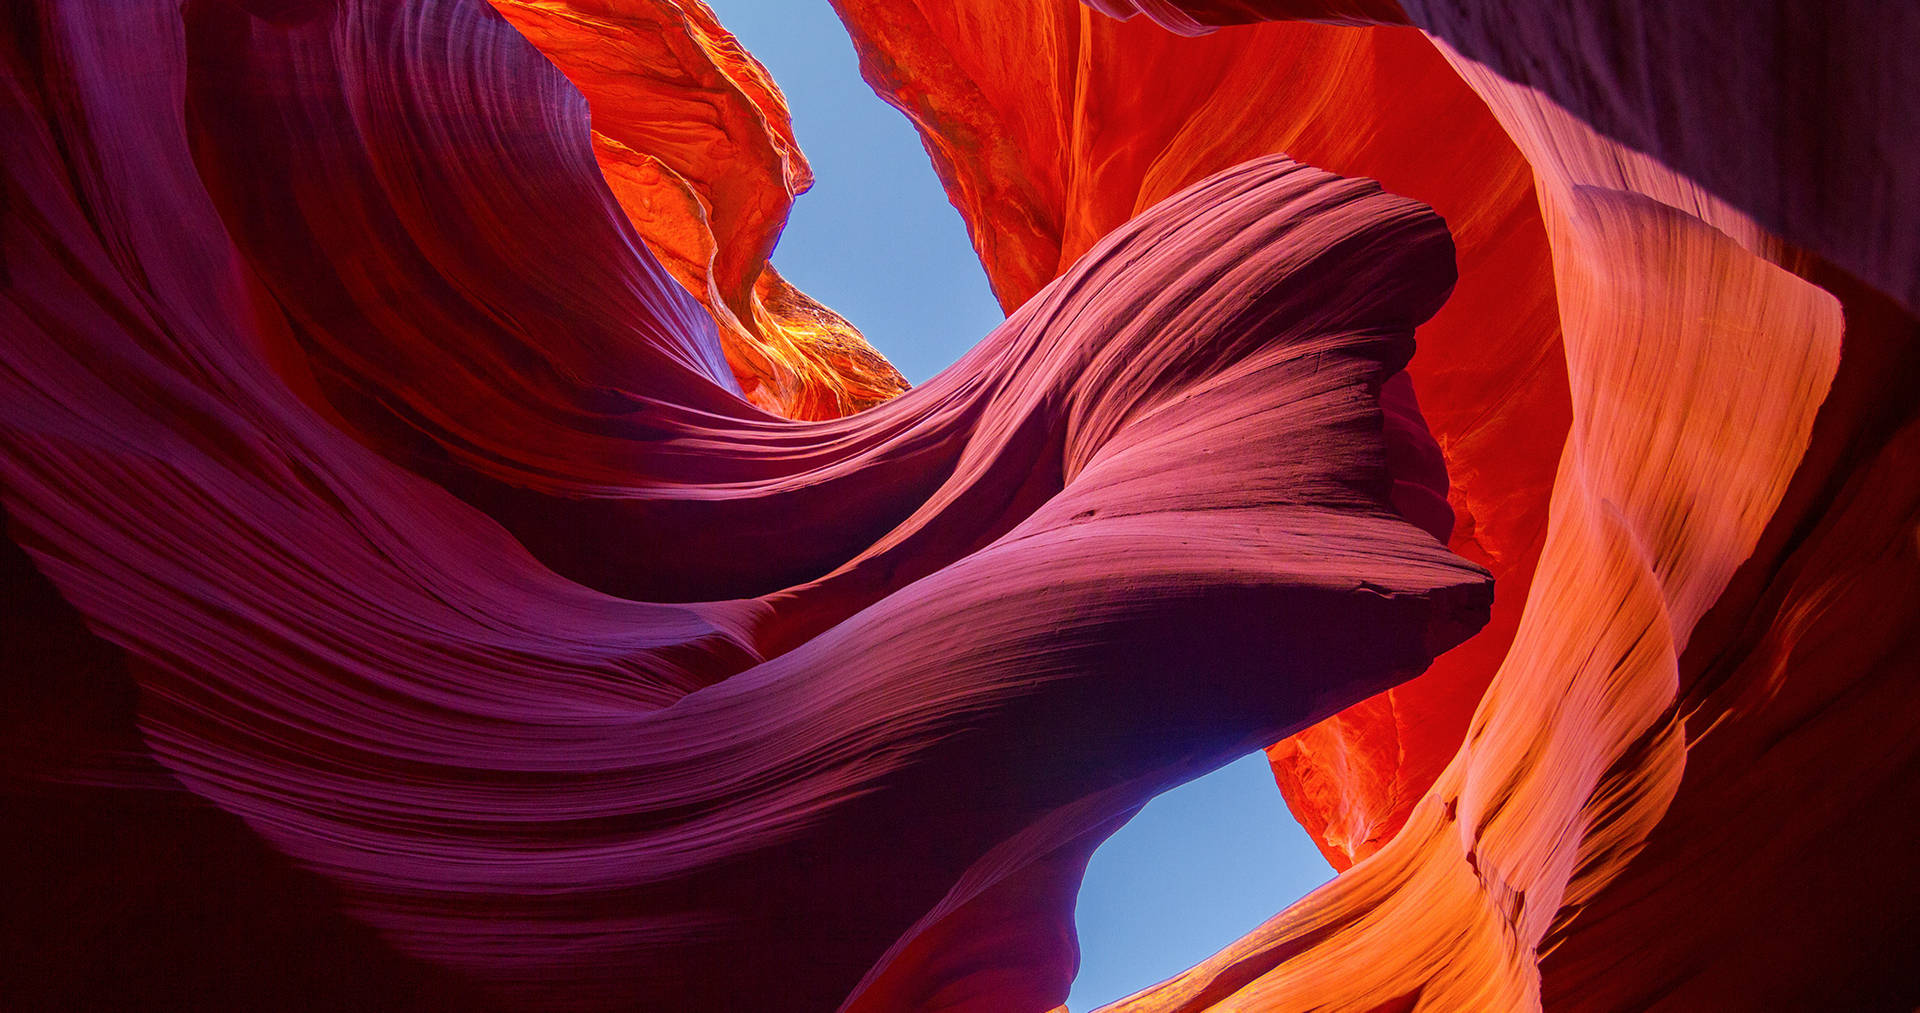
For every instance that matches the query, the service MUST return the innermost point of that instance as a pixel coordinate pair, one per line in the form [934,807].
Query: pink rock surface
[453,588]
[407,608]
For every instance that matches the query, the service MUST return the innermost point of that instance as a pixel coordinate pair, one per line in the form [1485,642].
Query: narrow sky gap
[877,240]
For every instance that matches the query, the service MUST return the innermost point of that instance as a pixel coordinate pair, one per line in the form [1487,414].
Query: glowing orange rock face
[1195,17]
[1633,792]
[1053,126]
[1730,573]
[696,143]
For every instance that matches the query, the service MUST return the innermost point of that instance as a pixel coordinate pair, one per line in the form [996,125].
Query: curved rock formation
[1644,708]
[265,280]
[1794,113]
[1047,152]
[416,600]
[694,139]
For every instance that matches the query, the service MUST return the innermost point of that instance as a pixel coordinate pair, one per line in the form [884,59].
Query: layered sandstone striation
[446,571]
[1093,121]
[436,579]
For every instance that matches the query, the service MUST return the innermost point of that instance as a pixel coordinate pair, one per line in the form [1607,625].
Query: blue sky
[877,240]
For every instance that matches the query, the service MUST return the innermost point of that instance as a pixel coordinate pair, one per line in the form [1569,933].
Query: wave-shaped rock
[443,584]
[1599,840]
[419,600]
[1049,152]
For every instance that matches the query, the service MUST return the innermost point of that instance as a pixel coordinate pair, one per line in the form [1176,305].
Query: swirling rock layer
[435,577]
[1053,125]
[417,600]
[1605,809]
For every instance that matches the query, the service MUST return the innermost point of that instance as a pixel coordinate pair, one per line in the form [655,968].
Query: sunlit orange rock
[1196,17]
[1697,369]
[1646,683]
[1645,709]
[1051,125]
[695,140]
